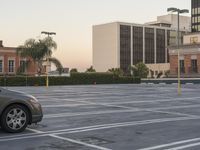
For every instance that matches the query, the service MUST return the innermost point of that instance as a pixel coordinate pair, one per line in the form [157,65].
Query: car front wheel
[15,119]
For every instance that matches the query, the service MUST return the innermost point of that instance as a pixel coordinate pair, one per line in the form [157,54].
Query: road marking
[94,128]
[159,109]
[185,146]
[87,113]
[79,142]
[173,113]
[117,103]
[189,83]
[123,125]
[65,105]
[128,109]
[171,144]
[71,140]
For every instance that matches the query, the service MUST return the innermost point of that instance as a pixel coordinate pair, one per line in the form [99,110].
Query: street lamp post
[179,11]
[47,73]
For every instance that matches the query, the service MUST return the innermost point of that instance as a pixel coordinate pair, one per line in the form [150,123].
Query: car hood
[14,94]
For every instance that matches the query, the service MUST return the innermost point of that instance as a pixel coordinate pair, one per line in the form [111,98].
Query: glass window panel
[193,10]
[193,19]
[199,10]
[1,65]
[22,66]
[11,66]
[196,11]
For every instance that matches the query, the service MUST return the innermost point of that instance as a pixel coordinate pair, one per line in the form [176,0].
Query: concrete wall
[158,68]
[105,47]
[185,21]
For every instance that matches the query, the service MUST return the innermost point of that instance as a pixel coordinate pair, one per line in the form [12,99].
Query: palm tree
[40,51]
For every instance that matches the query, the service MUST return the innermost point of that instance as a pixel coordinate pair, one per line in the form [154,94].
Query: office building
[195,15]
[170,20]
[121,45]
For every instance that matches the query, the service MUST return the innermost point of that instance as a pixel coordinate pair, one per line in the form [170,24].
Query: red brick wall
[32,68]
[198,63]
[187,63]
[173,64]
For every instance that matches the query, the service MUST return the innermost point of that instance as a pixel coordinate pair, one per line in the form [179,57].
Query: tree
[22,69]
[140,70]
[40,51]
[116,71]
[90,70]
[73,70]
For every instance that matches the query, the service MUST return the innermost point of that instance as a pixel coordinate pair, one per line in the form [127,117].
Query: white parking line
[64,105]
[71,140]
[95,96]
[126,125]
[79,142]
[185,146]
[120,103]
[87,113]
[171,144]
[128,109]
[94,128]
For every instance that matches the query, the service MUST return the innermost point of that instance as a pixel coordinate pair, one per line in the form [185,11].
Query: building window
[160,46]
[149,46]
[11,66]
[193,11]
[193,21]
[22,66]
[1,66]
[182,66]
[125,48]
[193,40]
[196,11]
[193,68]
[137,45]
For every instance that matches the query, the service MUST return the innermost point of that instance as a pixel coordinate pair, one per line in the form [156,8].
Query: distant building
[121,45]
[170,21]
[195,15]
[10,62]
[65,72]
[189,57]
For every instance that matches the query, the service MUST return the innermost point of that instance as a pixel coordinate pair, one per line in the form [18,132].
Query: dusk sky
[72,20]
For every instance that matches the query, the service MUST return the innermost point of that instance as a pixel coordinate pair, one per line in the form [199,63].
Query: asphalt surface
[117,117]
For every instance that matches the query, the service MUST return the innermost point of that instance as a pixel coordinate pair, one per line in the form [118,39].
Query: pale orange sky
[72,20]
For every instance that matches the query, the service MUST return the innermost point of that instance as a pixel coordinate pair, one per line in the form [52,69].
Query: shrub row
[74,79]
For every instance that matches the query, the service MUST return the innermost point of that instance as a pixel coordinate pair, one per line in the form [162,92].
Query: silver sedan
[17,110]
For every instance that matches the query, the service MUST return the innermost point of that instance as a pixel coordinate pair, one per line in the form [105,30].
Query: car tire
[15,119]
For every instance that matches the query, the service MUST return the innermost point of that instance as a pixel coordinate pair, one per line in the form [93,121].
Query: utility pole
[47,66]
[179,11]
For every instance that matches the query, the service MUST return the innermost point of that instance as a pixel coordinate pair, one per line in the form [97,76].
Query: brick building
[11,63]
[189,56]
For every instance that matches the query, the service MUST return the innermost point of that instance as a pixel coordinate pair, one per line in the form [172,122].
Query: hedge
[74,79]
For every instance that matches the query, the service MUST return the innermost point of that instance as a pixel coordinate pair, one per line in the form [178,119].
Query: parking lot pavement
[105,117]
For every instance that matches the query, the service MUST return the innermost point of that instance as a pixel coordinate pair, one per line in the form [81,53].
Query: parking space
[105,117]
